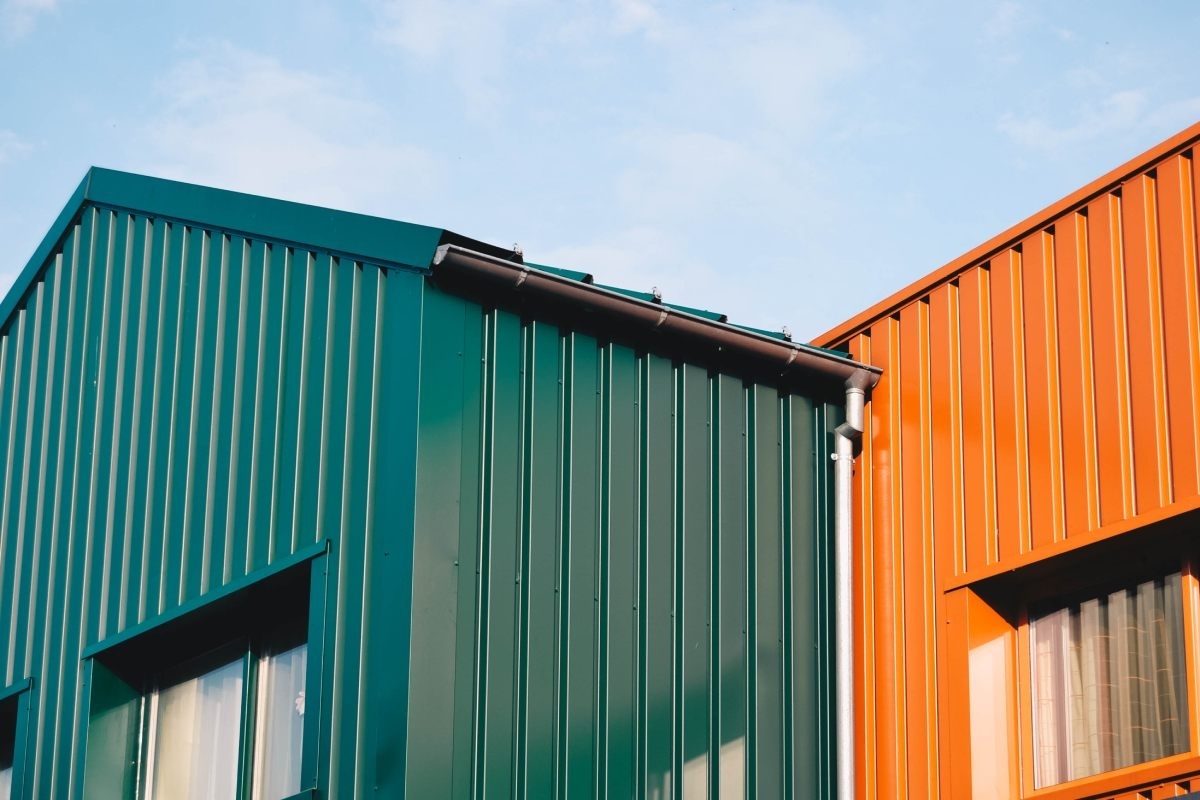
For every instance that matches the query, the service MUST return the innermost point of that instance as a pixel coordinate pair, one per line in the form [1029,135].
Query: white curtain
[279,724]
[1109,682]
[197,728]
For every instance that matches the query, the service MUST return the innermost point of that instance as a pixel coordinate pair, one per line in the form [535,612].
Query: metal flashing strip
[228,590]
[364,238]
[637,315]
[11,691]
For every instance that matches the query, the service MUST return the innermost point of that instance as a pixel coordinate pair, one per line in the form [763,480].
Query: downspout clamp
[848,437]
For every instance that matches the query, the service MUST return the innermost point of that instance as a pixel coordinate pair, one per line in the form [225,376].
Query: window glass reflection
[279,724]
[195,734]
[1109,682]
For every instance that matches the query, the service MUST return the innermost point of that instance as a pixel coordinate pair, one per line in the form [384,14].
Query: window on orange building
[1108,682]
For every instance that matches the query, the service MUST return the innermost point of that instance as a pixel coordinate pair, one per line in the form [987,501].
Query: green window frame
[220,713]
[168,677]
[14,729]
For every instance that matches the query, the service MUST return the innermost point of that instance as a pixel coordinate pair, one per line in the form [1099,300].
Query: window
[14,714]
[1108,682]
[209,704]
[8,738]
[202,715]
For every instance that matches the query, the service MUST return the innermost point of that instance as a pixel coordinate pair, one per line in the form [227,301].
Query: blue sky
[785,163]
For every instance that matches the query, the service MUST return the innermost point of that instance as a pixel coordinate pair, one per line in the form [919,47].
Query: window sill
[1126,779]
[307,794]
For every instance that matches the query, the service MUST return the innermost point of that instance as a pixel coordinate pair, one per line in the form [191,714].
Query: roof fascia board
[923,286]
[456,267]
[363,237]
[49,243]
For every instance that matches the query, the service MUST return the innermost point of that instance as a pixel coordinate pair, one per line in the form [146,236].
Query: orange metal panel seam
[1144,319]
[1011,455]
[978,421]
[1162,421]
[1179,301]
[1020,399]
[1041,385]
[914,553]
[1190,189]
[1189,182]
[1071,259]
[883,525]
[945,457]
[1108,365]
[895,555]
[1054,389]
[1120,320]
[929,560]
[955,411]
[987,390]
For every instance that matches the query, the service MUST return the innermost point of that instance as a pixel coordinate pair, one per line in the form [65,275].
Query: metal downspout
[847,439]
[497,276]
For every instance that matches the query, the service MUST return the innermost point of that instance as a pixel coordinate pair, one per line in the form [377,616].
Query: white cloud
[683,176]
[19,17]
[464,39]
[1006,20]
[12,147]
[637,15]
[1117,112]
[780,62]
[244,121]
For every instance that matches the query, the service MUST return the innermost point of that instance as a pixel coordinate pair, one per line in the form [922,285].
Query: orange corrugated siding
[1039,394]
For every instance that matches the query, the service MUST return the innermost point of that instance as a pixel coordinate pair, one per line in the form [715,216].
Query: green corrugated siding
[181,407]
[557,567]
[620,571]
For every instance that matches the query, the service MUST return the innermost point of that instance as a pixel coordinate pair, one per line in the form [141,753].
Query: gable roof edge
[922,286]
[361,237]
[33,267]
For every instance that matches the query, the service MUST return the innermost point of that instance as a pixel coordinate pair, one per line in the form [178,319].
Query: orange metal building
[1032,450]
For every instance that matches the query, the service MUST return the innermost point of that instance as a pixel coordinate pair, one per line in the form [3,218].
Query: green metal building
[301,503]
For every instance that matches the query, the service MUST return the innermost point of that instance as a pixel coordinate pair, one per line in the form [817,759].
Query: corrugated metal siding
[1038,395]
[621,572]
[180,407]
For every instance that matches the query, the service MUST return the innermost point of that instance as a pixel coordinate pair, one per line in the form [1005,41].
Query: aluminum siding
[1039,394]
[621,567]
[180,407]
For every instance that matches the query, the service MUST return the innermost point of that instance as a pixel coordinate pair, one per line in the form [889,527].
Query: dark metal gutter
[487,276]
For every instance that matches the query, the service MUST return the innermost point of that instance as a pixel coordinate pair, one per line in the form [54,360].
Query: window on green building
[231,719]
[8,731]
[210,703]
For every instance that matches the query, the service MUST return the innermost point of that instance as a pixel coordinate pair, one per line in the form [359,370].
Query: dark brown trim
[496,281]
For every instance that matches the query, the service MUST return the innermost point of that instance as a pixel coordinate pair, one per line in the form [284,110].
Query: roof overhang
[640,323]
